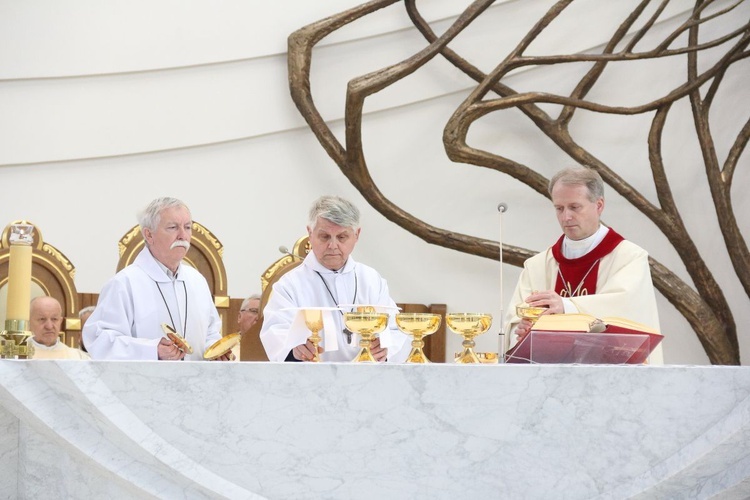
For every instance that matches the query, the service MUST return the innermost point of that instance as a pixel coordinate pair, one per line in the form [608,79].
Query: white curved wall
[106,106]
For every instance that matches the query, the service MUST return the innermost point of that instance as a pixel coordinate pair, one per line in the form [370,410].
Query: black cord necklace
[346,331]
[184,287]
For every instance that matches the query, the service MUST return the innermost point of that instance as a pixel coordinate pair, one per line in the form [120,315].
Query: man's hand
[379,353]
[167,350]
[227,356]
[523,329]
[304,352]
[546,298]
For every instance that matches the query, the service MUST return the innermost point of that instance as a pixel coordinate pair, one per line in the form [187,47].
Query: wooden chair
[251,348]
[52,274]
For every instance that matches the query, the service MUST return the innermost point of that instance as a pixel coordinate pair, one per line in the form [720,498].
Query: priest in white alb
[156,289]
[329,278]
[591,269]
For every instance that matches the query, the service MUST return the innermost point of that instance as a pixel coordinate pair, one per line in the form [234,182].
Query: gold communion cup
[367,325]
[525,311]
[468,325]
[418,325]
[314,322]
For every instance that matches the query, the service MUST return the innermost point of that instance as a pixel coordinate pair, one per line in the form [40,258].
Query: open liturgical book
[582,338]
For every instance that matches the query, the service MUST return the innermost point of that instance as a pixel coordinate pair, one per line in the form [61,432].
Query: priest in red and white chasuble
[591,269]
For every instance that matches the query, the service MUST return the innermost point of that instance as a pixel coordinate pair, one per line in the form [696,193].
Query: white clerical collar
[43,347]
[573,249]
[312,262]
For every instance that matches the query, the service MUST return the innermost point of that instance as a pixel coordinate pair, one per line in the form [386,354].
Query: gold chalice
[468,325]
[525,311]
[367,325]
[418,325]
[314,321]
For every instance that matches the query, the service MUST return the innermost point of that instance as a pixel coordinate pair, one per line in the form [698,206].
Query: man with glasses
[248,316]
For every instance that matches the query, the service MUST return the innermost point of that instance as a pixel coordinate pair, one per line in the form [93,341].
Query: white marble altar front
[73,429]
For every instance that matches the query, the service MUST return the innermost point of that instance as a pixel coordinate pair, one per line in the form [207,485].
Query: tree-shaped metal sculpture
[704,306]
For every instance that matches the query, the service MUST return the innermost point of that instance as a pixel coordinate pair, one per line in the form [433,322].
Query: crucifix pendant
[348,334]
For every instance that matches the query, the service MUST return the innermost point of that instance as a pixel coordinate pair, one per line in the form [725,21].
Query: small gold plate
[488,358]
[175,337]
[222,346]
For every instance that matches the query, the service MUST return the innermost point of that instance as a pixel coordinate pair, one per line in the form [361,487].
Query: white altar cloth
[76,429]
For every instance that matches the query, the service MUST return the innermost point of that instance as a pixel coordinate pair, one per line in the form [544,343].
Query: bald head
[45,319]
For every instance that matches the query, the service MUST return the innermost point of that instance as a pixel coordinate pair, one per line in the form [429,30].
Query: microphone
[502,207]
[286,251]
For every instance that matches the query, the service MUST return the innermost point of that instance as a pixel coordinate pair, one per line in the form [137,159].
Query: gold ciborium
[468,325]
[367,325]
[314,321]
[418,325]
[531,313]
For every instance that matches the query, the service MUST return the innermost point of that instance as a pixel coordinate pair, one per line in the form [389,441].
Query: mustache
[180,243]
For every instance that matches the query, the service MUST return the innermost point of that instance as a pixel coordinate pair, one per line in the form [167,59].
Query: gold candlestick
[14,338]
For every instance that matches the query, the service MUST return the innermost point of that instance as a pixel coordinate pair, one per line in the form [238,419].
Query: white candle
[19,282]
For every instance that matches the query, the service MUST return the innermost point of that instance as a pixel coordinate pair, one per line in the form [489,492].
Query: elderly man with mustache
[156,289]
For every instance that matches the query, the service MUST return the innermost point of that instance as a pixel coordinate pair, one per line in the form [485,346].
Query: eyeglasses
[251,310]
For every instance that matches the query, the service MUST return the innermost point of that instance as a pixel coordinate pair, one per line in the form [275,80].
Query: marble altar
[76,429]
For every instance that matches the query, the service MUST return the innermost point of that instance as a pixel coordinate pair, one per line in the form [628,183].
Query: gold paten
[468,325]
[175,337]
[489,358]
[367,325]
[418,325]
[222,346]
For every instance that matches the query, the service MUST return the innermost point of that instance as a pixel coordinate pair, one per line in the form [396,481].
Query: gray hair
[580,176]
[85,310]
[246,302]
[151,215]
[334,209]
